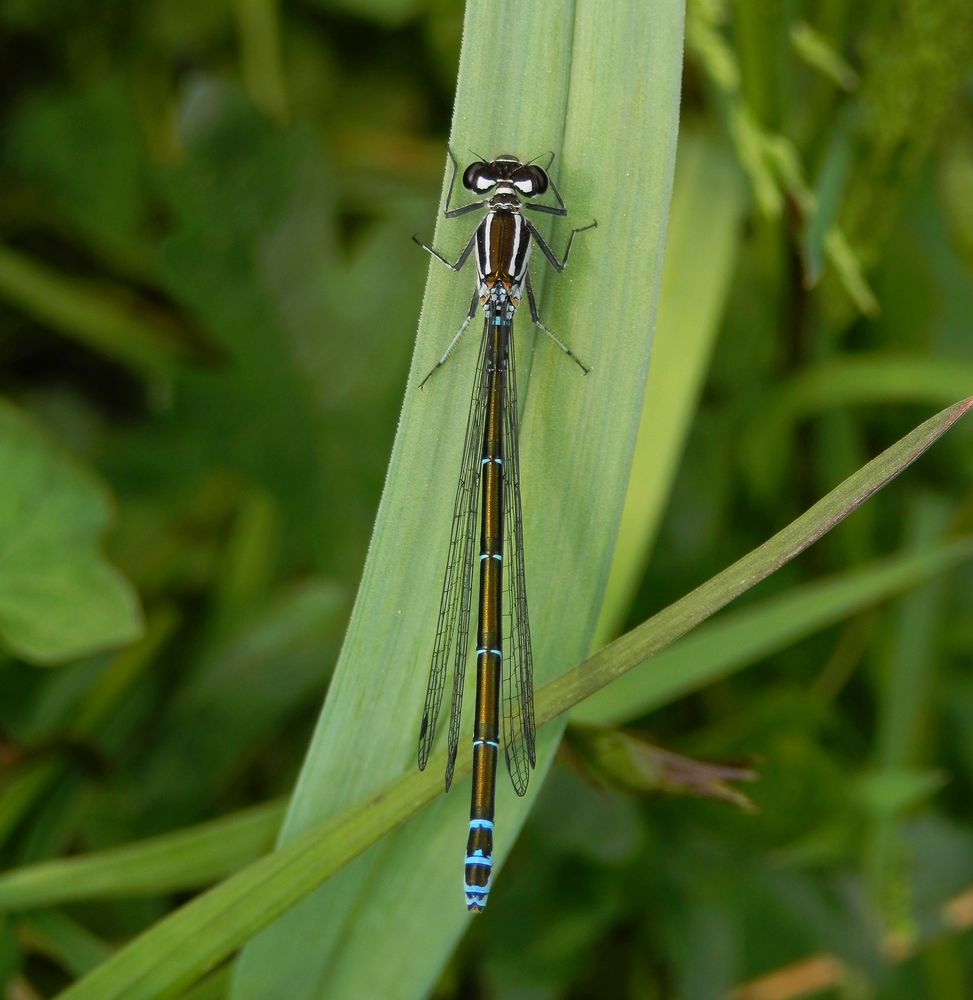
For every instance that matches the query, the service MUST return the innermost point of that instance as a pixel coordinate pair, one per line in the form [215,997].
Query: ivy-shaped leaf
[59,597]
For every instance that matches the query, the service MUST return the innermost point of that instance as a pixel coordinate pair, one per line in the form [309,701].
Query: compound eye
[478,177]
[530,181]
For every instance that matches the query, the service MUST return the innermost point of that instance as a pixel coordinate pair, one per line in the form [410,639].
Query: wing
[453,628]
[518,659]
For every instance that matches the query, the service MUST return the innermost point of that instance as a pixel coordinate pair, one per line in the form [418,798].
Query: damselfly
[489,481]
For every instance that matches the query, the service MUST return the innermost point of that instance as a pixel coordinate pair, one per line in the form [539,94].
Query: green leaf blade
[577,436]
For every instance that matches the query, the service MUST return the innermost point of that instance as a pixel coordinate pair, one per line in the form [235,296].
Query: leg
[558,265]
[549,209]
[454,341]
[452,213]
[536,320]
[460,261]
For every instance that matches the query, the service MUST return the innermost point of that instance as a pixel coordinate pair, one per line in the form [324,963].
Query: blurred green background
[208,298]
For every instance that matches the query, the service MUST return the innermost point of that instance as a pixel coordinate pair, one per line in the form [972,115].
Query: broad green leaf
[707,204]
[59,598]
[179,949]
[614,132]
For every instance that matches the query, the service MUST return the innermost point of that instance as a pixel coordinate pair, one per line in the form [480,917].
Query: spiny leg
[558,265]
[560,208]
[452,213]
[449,350]
[460,261]
[536,320]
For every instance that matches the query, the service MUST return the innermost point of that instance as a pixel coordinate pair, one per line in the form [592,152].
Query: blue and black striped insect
[489,484]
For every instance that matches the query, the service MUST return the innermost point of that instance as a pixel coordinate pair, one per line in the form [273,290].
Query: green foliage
[207,305]
[173,954]
[59,599]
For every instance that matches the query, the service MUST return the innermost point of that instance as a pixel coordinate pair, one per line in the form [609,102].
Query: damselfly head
[526,179]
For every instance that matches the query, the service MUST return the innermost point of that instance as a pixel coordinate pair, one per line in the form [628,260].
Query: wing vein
[518,672]
[453,626]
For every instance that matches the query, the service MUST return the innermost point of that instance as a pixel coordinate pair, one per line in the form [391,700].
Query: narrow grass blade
[742,638]
[108,320]
[682,616]
[175,862]
[859,380]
